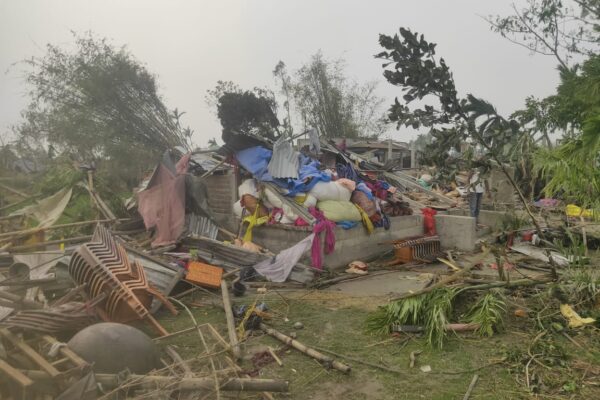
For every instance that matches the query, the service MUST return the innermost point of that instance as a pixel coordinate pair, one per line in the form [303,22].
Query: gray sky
[190,45]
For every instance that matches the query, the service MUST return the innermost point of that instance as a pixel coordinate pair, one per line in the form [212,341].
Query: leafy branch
[411,64]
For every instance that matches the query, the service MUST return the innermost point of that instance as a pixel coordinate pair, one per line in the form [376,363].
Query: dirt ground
[334,320]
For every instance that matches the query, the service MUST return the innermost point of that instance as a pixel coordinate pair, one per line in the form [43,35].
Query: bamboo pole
[233,339]
[185,384]
[305,349]
[69,225]
[515,283]
[471,386]
[50,242]
[170,335]
[15,191]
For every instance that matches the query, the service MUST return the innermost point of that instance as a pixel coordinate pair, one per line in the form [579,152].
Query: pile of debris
[70,311]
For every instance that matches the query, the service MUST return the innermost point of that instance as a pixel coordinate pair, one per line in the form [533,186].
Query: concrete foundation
[456,231]
[350,245]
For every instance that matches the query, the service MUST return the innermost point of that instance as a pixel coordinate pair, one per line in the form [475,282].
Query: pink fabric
[323,224]
[162,205]
[273,217]
[347,183]
[182,165]
[300,222]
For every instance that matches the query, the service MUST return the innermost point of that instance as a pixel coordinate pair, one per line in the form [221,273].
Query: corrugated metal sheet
[284,161]
[199,226]
[315,143]
[230,257]
[160,274]
[207,162]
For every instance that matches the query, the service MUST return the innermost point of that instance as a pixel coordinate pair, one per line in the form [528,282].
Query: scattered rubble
[298,222]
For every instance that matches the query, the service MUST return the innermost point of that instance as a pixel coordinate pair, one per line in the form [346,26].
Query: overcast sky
[190,45]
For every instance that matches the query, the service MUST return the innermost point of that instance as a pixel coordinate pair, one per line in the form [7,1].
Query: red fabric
[162,205]
[377,189]
[429,220]
[323,224]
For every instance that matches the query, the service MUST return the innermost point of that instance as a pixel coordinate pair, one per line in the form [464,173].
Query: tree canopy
[570,32]
[337,106]
[98,103]
[244,112]
[559,28]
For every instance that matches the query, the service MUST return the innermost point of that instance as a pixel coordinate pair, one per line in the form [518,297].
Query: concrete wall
[456,231]
[491,219]
[353,244]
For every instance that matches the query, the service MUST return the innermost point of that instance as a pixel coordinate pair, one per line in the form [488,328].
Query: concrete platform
[383,283]
[352,244]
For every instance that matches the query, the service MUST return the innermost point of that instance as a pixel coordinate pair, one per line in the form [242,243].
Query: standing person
[477,187]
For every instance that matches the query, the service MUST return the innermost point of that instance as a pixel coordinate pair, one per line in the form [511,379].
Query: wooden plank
[30,353]
[67,352]
[16,375]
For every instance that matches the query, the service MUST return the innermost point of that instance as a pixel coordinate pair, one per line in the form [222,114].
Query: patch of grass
[329,325]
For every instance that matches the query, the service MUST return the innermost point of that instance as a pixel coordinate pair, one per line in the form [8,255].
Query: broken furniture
[104,267]
[421,249]
[44,355]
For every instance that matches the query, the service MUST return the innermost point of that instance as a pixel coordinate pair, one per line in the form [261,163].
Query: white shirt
[479,188]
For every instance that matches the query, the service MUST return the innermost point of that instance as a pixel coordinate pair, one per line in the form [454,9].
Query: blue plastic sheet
[347,224]
[365,189]
[256,161]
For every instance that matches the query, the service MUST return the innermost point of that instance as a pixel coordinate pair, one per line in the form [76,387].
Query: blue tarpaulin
[256,161]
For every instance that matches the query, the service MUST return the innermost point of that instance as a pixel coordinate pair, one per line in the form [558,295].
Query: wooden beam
[14,374]
[67,352]
[30,353]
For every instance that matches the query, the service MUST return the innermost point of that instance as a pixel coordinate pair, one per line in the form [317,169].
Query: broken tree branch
[455,276]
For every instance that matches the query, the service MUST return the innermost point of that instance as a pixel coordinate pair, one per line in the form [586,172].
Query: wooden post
[235,346]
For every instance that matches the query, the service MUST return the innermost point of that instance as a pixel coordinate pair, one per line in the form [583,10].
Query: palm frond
[488,313]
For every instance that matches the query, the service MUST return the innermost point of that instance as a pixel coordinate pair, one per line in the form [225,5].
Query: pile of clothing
[342,195]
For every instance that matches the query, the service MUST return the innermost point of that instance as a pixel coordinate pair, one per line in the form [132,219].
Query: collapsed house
[255,210]
[340,205]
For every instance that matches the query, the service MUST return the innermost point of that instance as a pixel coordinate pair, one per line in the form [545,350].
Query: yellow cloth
[575,321]
[253,220]
[365,219]
[575,211]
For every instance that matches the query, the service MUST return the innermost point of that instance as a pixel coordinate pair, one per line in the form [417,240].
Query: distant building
[379,151]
